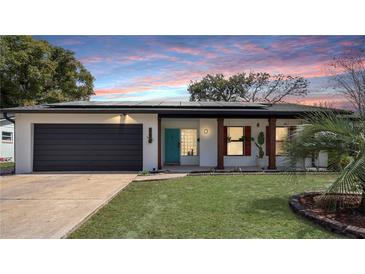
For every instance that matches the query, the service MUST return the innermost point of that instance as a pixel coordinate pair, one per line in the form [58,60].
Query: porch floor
[202,169]
[188,169]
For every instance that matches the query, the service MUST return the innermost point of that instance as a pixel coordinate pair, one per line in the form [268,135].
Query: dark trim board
[88,147]
[179,109]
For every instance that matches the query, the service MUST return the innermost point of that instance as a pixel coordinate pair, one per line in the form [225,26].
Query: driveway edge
[104,203]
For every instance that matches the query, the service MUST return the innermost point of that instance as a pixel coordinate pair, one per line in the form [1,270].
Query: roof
[170,108]
[3,118]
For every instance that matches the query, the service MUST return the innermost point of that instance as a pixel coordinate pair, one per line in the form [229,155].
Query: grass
[247,206]
[7,164]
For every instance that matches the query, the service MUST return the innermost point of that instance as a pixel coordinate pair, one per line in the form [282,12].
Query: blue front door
[172,146]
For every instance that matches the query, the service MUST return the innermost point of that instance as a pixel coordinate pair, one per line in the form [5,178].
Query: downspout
[8,118]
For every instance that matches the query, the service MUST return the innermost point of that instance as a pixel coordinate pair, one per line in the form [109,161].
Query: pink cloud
[192,51]
[124,59]
[272,65]
[185,50]
[330,100]
[298,42]
[251,47]
[347,43]
[181,78]
[173,79]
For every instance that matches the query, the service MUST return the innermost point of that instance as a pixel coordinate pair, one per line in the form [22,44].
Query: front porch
[203,144]
[194,144]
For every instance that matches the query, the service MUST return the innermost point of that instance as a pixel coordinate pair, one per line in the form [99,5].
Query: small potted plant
[260,160]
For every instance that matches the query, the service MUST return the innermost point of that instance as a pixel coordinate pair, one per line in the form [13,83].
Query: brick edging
[329,224]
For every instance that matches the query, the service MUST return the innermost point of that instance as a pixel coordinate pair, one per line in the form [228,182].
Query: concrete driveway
[50,205]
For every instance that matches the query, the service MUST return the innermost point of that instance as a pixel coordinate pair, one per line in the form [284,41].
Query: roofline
[178,110]
[182,113]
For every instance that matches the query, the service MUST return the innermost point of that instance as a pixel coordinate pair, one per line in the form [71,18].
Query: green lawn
[7,164]
[248,206]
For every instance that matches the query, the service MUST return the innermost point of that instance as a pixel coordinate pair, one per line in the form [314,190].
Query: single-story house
[7,139]
[149,135]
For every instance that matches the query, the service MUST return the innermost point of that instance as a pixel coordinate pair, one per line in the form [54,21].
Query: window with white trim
[7,137]
[235,141]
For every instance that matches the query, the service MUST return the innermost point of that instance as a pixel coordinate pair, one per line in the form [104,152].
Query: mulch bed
[347,222]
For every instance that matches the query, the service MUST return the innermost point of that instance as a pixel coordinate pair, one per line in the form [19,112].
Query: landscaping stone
[347,230]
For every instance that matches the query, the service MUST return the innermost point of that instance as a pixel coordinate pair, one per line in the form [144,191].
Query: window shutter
[247,141]
[267,141]
[225,134]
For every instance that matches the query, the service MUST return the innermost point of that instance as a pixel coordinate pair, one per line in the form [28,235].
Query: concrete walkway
[158,177]
[50,205]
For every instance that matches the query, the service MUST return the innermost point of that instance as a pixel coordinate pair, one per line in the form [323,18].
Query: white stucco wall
[207,145]
[208,142]
[7,148]
[258,125]
[180,124]
[24,133]
[208,148]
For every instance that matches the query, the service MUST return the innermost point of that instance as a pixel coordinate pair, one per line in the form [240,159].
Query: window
[282,135]
[7,137]
[235,140]
[189,142]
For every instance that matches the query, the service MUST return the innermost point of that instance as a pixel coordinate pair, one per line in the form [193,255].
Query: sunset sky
[160,67]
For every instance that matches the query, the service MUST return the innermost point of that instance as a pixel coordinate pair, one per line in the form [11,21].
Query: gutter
[8,118]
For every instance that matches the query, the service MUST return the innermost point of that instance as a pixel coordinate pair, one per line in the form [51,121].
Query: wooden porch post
[159,143]
[220,141]
[272,143]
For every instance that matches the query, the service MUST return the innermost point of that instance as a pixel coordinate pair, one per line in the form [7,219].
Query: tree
[35,72]
[327,131]
[251,87]
[348,72]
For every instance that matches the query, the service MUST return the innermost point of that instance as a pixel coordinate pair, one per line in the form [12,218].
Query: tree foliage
[251,87]
[348,71]
[332,133]
[35,72]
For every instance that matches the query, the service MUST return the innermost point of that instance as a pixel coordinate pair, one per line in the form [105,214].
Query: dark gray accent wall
[88,147]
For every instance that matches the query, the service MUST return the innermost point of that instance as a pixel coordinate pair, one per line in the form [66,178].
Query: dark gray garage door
[87,147]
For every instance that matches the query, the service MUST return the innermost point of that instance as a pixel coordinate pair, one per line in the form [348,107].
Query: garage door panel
[87,153]
[60,126]
[97,167]
[81,157]
[87,147]
[88,163]
[107,166]
[80,141]
[114,135]
[83,147]
[66,129]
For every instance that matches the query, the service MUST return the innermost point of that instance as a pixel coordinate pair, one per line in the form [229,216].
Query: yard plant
[259,144]
[344,139]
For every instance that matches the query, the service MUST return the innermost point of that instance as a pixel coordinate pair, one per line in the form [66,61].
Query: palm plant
[341,136]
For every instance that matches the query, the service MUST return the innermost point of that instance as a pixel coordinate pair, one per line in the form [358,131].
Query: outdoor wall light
[149,137]
[205,131]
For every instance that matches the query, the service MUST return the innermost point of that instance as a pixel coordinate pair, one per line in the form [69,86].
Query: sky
[161,67]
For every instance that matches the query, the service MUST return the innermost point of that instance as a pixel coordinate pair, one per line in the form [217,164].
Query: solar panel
[153,104]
